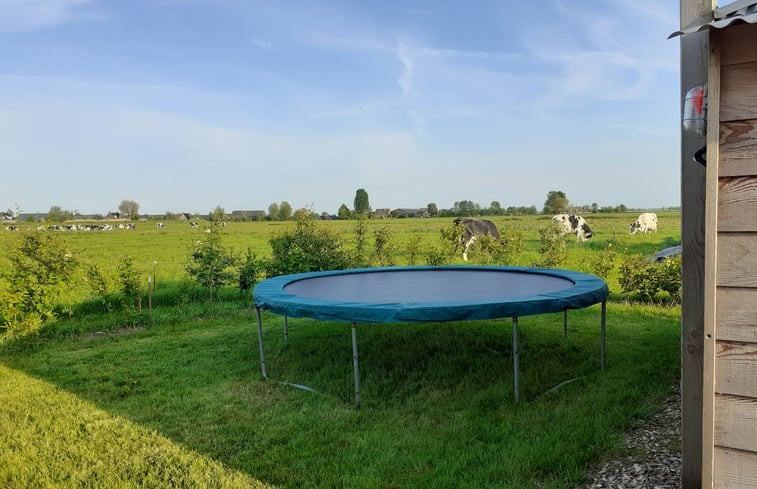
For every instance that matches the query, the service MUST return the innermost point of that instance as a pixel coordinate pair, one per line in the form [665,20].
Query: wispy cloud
[262,44]
[405,80]
[31,15]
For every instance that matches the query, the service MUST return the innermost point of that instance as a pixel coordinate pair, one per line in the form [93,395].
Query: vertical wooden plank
[694,57]
[711,263]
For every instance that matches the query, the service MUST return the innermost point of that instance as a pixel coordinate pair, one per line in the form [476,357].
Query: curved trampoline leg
[260,343]
[516,373]
[602,336]
[355,366]
[565,323]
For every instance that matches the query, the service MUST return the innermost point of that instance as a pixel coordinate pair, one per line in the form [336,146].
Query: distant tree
[285,211]
[169,216]
[432,209]
[273,211]
[594,208]
[361,202]
[344,212]
[301,213]
[556,203]
[466,208]
[57,214]
[621,208]
[129,209]
[218,214]
[495,209]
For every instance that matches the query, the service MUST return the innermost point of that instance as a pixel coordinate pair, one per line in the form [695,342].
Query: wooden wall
[730,419]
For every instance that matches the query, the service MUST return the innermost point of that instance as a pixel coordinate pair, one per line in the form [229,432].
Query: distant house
[247,215]
[381,213]
[422,212]
[31,217]
[183,216]
[110,216]
[8,217]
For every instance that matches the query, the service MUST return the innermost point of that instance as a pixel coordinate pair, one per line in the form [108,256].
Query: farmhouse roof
[739,12]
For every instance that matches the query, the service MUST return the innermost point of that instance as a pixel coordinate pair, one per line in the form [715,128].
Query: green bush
[41,269]
[128,281]
[647,279]
[383,250]
[307,248]
[210,265]
[552,250]
[250,271]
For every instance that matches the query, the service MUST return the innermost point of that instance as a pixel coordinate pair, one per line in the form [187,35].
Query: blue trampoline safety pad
[428,294]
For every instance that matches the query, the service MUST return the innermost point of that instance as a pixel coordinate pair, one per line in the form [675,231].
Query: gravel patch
[653,459]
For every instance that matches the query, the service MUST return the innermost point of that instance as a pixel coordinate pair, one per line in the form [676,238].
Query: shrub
[209,263]
[604,261]
[552,251]
[383,250]
[128,281]
[307,248]
[41,269]
[250,270]
[413,248]
[361,232]
[638,275]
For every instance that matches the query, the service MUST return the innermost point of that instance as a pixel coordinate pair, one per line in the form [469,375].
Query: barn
[719,233]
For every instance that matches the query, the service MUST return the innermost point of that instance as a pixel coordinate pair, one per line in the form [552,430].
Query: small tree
[552,251]
[556,203]
[285,211]
[344,212]
[209,263]
[58,214]
[432,209]
[218,214]
[361,236]
[41,268]
[383,251]
[250,270]
[128,281]
[273,211]
[308,248]
[129,209]
[362,206]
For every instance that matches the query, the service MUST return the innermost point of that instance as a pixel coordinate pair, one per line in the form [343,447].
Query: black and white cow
[573,224]
[161,225]
[194,224]
[646,222]
[473,228]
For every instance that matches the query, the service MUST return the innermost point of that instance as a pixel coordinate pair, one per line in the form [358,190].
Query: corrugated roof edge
[742,12]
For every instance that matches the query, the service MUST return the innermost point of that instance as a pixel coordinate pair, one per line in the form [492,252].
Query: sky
[186,105]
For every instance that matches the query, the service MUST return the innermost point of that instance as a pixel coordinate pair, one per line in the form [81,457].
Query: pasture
[100,400]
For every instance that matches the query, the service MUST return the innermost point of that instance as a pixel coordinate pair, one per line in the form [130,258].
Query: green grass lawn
[98,400]
[184,405]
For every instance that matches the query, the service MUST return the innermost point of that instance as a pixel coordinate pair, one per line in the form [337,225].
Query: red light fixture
[695,111]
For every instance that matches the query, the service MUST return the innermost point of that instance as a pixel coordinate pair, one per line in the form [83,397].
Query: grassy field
[98,400]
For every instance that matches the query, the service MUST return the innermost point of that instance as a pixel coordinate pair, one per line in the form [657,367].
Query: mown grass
[184,405]
[98,399]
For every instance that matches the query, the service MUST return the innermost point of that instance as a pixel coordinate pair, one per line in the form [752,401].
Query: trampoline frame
[593,291]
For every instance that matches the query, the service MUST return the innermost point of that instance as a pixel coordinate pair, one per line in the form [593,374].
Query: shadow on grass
[437,398]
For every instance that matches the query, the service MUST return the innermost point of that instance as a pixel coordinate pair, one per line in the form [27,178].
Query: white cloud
[405,80]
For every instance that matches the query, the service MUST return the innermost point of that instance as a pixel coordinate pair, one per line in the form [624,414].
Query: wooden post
[694,58]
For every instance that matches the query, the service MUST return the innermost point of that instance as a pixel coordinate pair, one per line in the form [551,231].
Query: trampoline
[428,294]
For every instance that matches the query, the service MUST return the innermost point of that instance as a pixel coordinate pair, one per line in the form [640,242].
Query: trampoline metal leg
[565,323]
[602,336]
[516,373]
[260,343]
[355,366]
[286,328]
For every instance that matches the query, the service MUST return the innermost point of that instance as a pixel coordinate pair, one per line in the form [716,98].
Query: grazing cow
[193,224]
[573,224]
[131,226]
[473,228]
[646,222]
[161,225]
